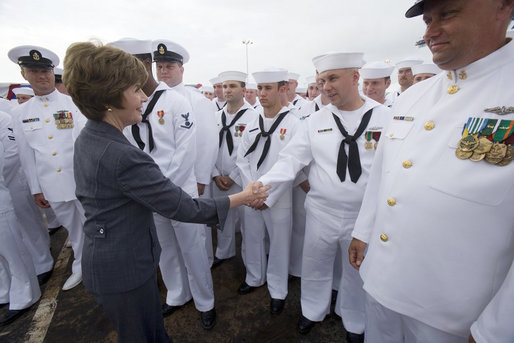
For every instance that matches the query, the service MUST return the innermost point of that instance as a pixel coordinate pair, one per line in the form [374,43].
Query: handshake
[253,196]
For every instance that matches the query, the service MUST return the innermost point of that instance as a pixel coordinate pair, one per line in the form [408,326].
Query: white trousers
[324,234]
[18,282]
[184,264]
[298,232]
[31,225]
[386,326]
[226,246]
[71,215]
[277,223]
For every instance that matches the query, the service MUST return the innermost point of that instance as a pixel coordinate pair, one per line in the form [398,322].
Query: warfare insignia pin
[500,110]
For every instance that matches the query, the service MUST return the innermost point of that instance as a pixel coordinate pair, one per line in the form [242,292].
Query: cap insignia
[36,55]
[162,49]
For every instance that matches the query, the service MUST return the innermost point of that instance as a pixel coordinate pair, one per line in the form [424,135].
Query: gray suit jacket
[119,187]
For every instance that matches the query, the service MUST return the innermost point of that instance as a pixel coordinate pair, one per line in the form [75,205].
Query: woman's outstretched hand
[253,195]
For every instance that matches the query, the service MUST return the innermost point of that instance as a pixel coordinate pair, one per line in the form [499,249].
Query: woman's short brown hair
[97,75]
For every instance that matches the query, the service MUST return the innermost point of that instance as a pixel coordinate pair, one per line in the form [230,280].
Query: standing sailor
[43,130]
[232,120]
[424,71]
[184,255]
[405,77]
[263,139]
[339,142]
[437,217]
[219,99]
[292,97]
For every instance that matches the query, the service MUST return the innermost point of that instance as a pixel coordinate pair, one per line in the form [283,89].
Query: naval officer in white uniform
[43,130]
[232,121]
[437,216]
[339,143]
[263,139]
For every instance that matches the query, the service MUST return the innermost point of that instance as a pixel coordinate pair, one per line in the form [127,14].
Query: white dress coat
[448,257]
[331,202]
[46,155]
[226,166]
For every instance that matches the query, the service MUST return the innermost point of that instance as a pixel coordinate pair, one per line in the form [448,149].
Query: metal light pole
[246,43]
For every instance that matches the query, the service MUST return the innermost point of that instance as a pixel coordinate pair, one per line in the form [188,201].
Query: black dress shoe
[52,230]
[305,325]
[217,261]
[208,319]
[276,306]
[168,309]
[354,338]
[44,277]
[11,315]
[244,288]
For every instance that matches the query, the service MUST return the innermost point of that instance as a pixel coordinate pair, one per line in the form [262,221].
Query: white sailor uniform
[31,225]
[43,130]
[331,205]
[18,282]
[440,229]
[226,166]
[277,219]
[298,102]
[183,262]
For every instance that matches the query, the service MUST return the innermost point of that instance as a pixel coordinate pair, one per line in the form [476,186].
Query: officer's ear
[22,72]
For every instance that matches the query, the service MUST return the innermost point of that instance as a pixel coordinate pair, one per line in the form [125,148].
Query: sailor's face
[232,91]
[405,77]
[313,91]
[338,84]
[459,32]
[269,94]
[218,90]
[251,95]
[23,98]
[42,80]
[169,72]
[375,88]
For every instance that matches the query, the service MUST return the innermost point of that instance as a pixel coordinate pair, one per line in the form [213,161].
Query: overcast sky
[285,33]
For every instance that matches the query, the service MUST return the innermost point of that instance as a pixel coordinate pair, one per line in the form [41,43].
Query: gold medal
[463,155]
[376,145]
[161,121]
[484,146]
[497,153]
[475,157]
[453,89]
[508,157]
[468,143]
[368,145]
[282,137]
[236,134]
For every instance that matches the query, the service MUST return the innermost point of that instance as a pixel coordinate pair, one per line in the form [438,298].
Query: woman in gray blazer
[120,187]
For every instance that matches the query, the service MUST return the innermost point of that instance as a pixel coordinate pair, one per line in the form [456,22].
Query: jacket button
[54,153]
[47,120]
[429,125]
[407,164]
[101,231]
[384,238]
[391,201]
[59,170]
[50,137]
[391,134]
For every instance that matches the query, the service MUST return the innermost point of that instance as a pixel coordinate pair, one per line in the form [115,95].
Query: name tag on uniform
[406,118]
[325,130]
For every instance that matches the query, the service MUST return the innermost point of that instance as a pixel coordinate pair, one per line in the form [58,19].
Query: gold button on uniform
[391,201]
[47,120]
[54,153]
[50,137]
[59,170]
[407,164]
[384,238]
[429,125]
[45,105]
[391,134]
